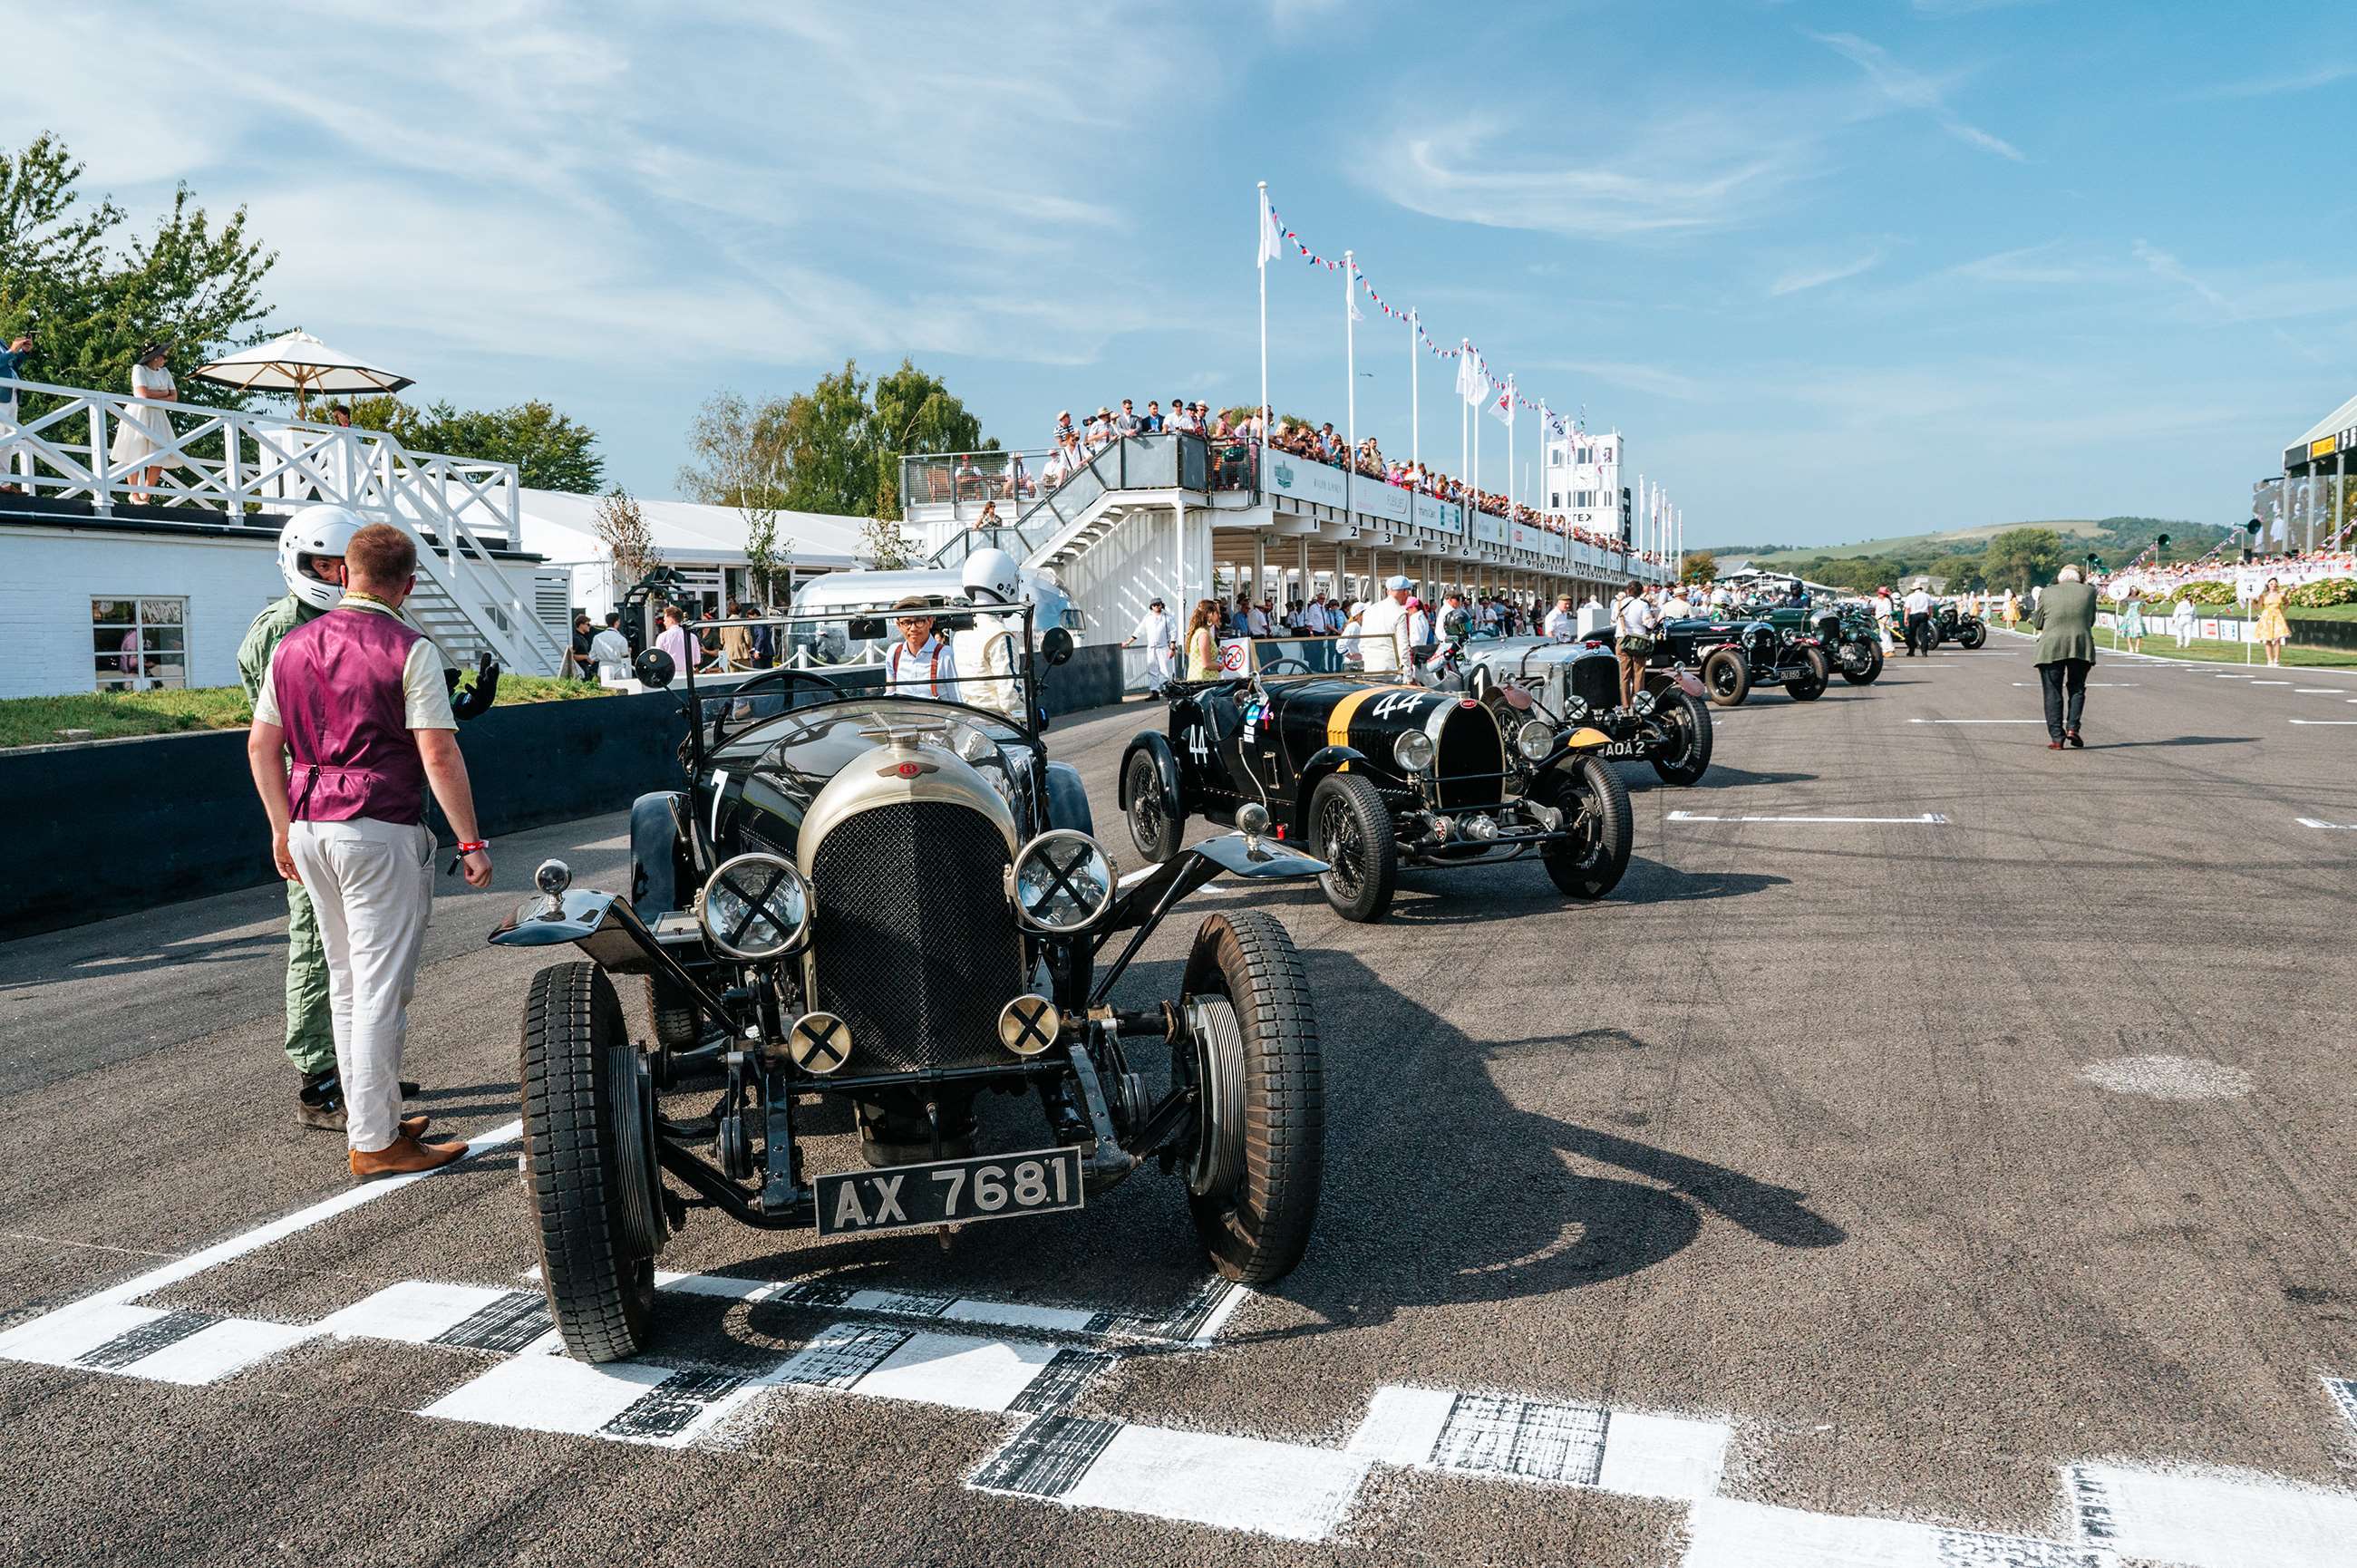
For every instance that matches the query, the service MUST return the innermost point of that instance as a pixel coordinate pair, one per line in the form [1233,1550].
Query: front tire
[1154,828]
[1260,1149]
[589,1160]
[1688,717]
[1726,678]
[1974,635]
[1595,805]
[1353,836]
[1808,683]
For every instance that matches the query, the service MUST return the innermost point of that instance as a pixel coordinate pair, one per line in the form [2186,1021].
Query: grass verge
[36,721]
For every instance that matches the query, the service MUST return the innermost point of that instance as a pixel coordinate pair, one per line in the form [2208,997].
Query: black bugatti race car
[894,901]
[1370,776]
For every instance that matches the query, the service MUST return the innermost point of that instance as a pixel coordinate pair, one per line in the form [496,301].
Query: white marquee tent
[707,542]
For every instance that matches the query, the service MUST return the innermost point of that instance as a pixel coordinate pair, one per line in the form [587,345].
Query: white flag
[1472,385]
[1502,405]
[1272,239]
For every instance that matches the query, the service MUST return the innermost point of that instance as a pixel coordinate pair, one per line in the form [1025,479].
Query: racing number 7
[957,1184]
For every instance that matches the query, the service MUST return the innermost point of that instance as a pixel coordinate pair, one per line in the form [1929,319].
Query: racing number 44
[949,1192]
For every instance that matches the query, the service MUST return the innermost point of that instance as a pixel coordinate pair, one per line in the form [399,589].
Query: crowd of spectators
[1234,437]
[2292,569]
[1324,616]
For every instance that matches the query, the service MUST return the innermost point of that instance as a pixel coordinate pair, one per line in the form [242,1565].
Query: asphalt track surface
[1959,1192]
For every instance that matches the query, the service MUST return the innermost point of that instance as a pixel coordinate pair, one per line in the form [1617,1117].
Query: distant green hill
[1958,555]
[1952,542]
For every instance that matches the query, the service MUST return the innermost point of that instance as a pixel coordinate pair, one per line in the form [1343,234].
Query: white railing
[220,466]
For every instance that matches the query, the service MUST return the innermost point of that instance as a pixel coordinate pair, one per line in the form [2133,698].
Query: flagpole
[1351,368]
[1259,244]
[1464,417]
[1415,402]
[1476,428]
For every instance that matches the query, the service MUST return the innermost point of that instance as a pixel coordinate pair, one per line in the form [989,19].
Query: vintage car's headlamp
[1062,881]
[756,906]
[1535,740]
[1413,751]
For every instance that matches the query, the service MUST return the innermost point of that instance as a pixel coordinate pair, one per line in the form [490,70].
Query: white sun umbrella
[300,363]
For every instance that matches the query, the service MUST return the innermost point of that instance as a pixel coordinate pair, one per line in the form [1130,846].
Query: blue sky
[1837,269]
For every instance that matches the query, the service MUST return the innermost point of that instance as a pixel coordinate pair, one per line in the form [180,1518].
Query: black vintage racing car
[1370,776]
[1845,632]
[1572,684]
[895,902]
[1733,658]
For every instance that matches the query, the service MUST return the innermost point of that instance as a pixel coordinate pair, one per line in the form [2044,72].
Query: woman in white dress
[142,430]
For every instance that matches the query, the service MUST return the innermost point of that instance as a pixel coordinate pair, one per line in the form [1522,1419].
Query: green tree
[2020,557]
[88,296]
[835,448]
[1701,566]
[552,451]
[912,411]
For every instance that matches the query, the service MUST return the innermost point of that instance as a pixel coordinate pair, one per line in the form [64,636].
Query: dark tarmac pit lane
[1946,1194]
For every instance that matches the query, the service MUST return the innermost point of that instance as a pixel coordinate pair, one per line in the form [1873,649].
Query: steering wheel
[786,678]
[1287,666]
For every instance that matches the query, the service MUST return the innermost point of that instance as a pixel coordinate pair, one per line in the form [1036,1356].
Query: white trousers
[2184,636]
[1158,664]
[372,884]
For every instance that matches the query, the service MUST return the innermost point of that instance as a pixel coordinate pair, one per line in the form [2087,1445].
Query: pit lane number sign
[949,1192]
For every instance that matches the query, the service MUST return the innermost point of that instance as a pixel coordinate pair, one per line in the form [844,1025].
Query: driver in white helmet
[990,654]
[311,559]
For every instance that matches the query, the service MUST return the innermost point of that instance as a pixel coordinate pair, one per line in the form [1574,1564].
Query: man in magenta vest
[357,698]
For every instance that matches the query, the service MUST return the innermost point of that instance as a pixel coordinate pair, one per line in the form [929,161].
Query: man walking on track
[1918,622]
[357,700]
[2065,619]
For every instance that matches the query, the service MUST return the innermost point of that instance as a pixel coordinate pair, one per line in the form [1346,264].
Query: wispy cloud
[1909,88]
[1688,173]
[2280,86]
[2163,265]
[2049,264]
[1799,280]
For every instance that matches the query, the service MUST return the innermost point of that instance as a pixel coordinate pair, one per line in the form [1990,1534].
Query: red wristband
[472,845]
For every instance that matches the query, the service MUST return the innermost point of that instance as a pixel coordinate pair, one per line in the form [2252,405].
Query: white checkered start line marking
[911,1346]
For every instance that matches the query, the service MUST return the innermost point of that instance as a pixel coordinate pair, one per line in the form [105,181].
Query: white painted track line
[1927,817]
[1282,1489]
[2316,822]
[1631,1452]
[211,1354]
[1723,1532]
[302,1219]
[2324,723]
[2170,1515]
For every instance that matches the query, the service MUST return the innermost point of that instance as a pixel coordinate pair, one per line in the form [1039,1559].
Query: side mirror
[1056,645]
[654,667]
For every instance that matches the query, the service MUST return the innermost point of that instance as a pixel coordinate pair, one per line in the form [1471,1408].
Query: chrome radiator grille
[914,947]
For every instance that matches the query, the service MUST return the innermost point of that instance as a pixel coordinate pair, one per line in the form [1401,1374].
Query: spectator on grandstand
[1126,422]
[1150,423]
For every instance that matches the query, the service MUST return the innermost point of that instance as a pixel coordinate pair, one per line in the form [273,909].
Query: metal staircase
[219,465]
[1092,503]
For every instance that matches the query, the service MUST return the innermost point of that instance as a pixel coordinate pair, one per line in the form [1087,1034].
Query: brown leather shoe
[404,1156]
[415,1127]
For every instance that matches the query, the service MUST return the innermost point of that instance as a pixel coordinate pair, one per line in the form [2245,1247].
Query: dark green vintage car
[1852,643]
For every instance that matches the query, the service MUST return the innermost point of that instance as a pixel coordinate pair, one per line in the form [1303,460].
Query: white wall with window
[86,608]
[1584,478]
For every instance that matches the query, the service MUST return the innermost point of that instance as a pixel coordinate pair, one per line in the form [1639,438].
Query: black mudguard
[1068,798]
[1325,760]
[658,825]
[1156,745]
